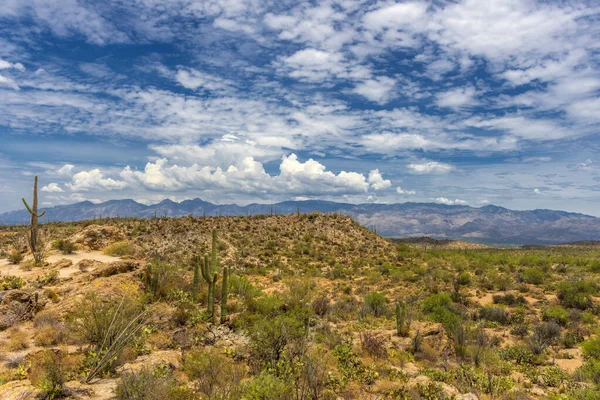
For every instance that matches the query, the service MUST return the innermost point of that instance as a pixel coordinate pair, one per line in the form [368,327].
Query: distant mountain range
[489,224]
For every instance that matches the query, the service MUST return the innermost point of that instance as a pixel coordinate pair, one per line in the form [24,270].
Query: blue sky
[457,102]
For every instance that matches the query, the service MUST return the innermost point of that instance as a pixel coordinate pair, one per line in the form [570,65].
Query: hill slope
[489,224]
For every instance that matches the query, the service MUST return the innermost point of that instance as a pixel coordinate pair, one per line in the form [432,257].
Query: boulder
[63,263]
[116,267]
[21,390]
[15,306]
[97,237]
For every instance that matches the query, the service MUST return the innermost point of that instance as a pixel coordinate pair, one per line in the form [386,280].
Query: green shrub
[509,299]
[15,256]
[590,372]
[108,326]
[533,276]
[519,355]
[591,348]
[439,308]
[162,279]
[495,314]
[155,383]
[119,249]
[267,387]
[375,304]
[63,245]
[47,373]
[270,336]
[216,376]
[556,314]
[543,336]
[576,293]
[8,282]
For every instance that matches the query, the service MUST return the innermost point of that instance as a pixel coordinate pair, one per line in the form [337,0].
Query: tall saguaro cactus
[34,229]
[211,279]
[196,284]
[224,294]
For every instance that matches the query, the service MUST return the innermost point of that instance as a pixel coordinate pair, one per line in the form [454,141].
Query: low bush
[375,304]
[440,308]
[495,314]
[119,249]
[108,326]
[509,299]
[63,245]
[556,314]
[155,383]
[591,348]
[373,344]
[8,282]
[267,386]
[47,373]
[215,375]
[15,257]
[321,305]
[576,293]
[49,329]
[543,336]
[533,276]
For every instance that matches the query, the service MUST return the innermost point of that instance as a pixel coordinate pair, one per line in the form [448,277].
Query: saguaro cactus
[402,319]
[211,279]
[224,294]
[34,230]
[196,283]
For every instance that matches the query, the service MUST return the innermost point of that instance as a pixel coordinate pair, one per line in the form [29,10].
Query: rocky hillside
[487,225]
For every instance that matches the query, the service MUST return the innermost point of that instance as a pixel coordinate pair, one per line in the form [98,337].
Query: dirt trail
[6,268]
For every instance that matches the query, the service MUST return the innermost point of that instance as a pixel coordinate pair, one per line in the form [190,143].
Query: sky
[470,102]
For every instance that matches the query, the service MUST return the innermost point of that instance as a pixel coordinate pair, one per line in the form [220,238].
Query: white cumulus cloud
[430,167]
[52,188]
[377,182]
[444,200]
[94,180]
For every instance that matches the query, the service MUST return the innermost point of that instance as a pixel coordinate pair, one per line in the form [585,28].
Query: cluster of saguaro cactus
[34,230]
[206,267]
[402,319]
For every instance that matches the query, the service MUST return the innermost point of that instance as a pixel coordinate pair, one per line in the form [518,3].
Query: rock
[411,369]
[97,237]
[170,358]
[64,263]
[116,267]
[19,390]
[16,305]
[87,264]
[467,396]
[537,391]
[450,390]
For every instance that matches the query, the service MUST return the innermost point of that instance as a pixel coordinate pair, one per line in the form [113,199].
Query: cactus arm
[27,205]
[42,214]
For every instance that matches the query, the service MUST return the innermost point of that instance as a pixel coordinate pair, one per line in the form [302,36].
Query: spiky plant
[34,229]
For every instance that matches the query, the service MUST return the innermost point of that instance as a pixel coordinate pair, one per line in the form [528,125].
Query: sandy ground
[6,268]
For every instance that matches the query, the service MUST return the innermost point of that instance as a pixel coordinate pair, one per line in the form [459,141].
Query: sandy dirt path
[6,268]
